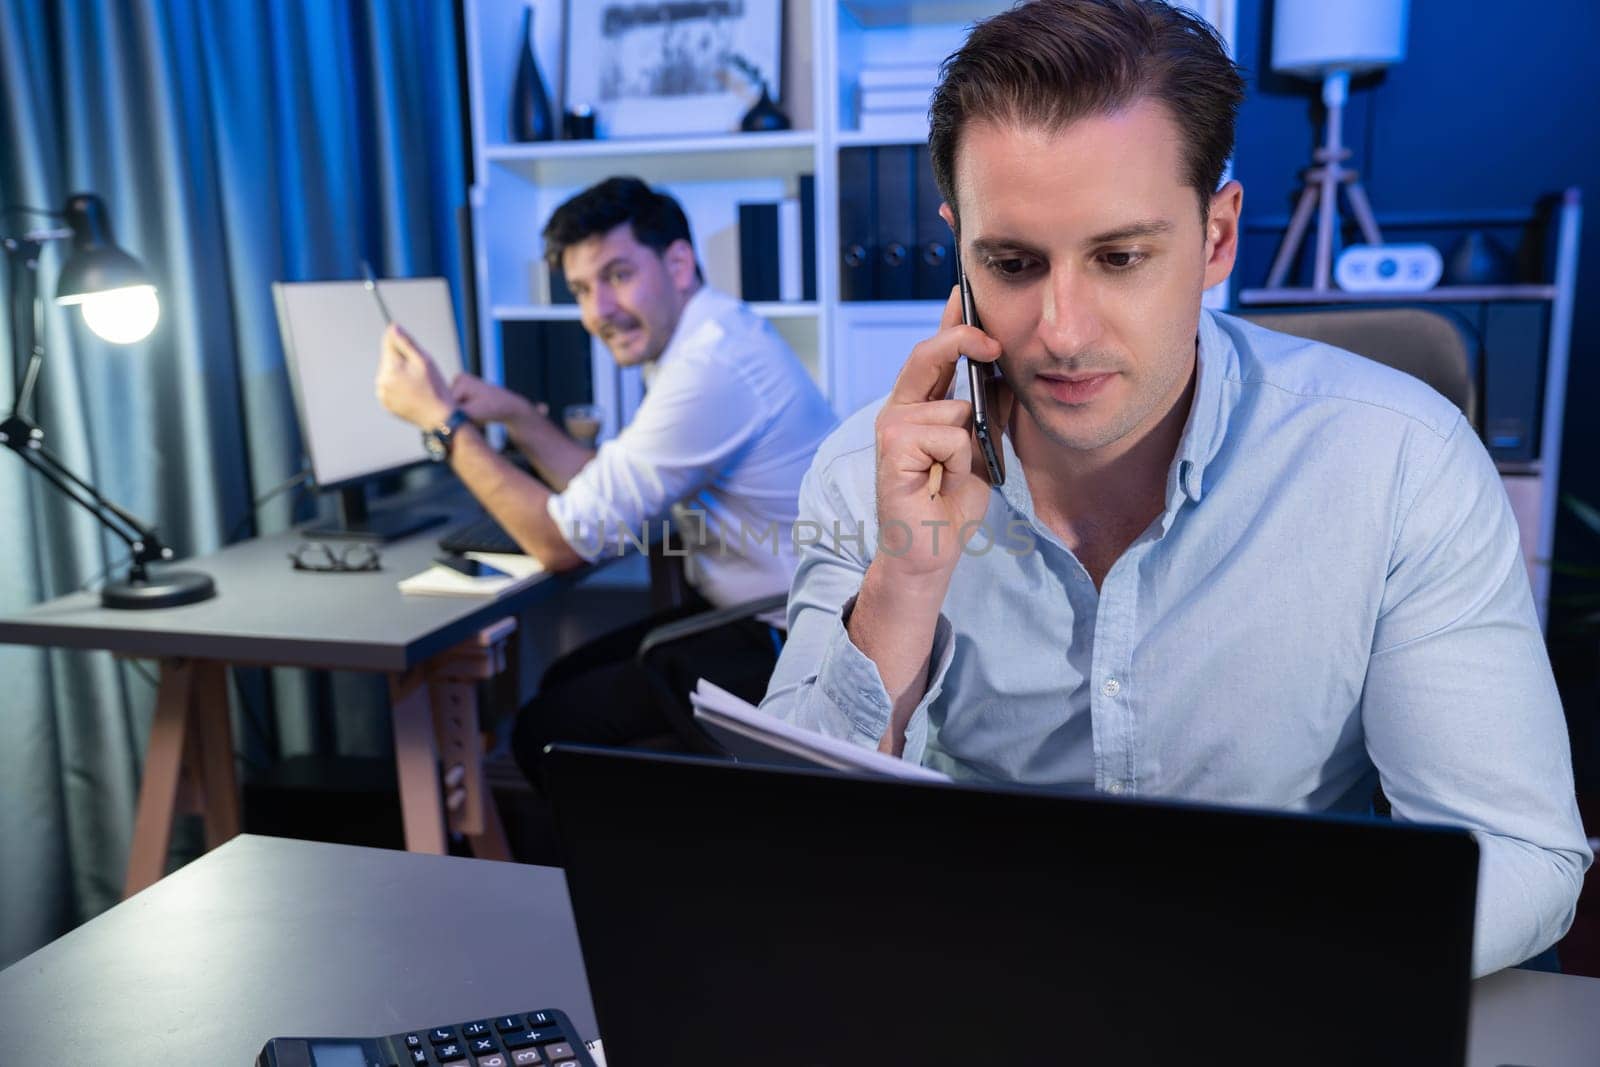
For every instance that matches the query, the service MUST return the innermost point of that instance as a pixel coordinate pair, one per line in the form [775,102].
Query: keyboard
[530,1039]
[480,535]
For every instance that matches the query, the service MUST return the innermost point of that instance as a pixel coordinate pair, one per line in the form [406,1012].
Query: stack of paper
[754,736]
[439,580]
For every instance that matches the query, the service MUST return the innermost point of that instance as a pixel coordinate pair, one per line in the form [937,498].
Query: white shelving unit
[519,185]
[852,350]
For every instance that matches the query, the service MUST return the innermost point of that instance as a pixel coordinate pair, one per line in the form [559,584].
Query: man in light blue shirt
[1227,564]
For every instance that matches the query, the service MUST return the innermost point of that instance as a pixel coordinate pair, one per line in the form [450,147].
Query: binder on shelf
[758,252]
[808,237]
[935,266]
[857,225]
[894,277]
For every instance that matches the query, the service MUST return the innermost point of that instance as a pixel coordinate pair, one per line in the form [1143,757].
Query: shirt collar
[698,324]
[1202,437]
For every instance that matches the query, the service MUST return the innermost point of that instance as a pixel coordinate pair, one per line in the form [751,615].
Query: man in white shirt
[727,428]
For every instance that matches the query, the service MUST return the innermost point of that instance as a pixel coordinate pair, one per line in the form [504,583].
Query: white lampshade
[1313,38]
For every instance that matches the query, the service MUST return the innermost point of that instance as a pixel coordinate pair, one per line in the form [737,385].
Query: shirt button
[1114,787]
[1111,687]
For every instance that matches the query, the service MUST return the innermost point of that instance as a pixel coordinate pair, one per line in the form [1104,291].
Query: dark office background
[1491,110]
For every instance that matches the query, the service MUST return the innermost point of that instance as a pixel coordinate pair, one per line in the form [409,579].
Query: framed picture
[660,67]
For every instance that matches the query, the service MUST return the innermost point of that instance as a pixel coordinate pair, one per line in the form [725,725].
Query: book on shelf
[917,99]
[908,124]
[917,75]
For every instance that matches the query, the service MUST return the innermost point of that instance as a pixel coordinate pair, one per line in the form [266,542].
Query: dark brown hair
[1047,63]
[655,217]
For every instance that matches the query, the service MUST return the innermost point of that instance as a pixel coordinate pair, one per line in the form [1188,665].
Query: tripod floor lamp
[1327,41]
[119,304]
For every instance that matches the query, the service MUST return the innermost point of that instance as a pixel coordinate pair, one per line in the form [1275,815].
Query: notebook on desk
[734,914]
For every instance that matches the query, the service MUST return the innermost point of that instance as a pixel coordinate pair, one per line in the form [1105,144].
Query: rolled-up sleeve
[823,682]
[693,422]
[1460,708]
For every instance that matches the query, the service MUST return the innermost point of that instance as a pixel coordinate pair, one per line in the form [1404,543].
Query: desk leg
[416,762]
[190,756]
[212,734]
[163,764]
[469,803]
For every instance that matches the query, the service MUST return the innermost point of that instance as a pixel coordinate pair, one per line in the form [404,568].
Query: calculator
[530,1039]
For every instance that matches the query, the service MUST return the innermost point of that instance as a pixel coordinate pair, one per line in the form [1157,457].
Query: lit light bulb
[122,316]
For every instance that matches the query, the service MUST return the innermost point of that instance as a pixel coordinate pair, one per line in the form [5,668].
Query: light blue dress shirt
[1334,596]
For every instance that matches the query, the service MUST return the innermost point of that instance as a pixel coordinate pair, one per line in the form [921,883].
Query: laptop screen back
[731,914]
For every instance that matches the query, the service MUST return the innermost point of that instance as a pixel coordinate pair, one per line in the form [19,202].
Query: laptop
[731,913]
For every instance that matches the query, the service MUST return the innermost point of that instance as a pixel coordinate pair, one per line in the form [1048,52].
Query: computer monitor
[332,333]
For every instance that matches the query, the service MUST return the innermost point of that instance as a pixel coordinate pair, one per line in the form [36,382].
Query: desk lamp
[1321,40]
[119,304]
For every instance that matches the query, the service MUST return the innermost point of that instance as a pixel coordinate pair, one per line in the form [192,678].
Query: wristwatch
[439,439]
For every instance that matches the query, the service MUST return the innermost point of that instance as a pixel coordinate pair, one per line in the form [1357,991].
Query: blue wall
[1496,104]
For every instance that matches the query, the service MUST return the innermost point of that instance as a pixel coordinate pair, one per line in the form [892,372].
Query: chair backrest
[1424,344]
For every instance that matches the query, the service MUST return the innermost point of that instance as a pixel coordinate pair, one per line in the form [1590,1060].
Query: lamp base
[167,589]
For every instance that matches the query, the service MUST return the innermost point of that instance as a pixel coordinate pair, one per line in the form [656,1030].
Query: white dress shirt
[726,431]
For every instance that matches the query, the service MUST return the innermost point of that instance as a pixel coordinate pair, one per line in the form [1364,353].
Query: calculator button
[537,1019]
[450,1050]
[441,1035]
[559,1051]
[418,1055]
[482,1046]
[496,1060]
[534,1037]
[475,1030]
[568,1063]
[508,1024]
[413,1041]
[527,1057]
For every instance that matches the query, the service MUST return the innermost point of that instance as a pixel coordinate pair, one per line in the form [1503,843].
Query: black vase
[764,115]
[1479,259]
[531,118]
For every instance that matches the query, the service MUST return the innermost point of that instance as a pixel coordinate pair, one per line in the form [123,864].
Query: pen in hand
[371,283]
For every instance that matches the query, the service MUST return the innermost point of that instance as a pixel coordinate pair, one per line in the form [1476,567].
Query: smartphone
[984,378]
[472,568]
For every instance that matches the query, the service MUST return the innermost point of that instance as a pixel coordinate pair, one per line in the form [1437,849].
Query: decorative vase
[1479,259]
[764,115]
[531,118]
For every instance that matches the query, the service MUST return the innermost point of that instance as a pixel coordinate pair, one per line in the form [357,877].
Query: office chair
[1425,344]
[674,699]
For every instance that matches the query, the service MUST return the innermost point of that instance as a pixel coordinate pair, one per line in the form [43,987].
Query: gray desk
[432,648]
[266,937]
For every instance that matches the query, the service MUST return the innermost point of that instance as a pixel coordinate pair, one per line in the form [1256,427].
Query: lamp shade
[117,297]
[97,270]
[1314,38]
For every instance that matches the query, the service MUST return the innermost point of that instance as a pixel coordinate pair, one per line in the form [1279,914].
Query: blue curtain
[236,143]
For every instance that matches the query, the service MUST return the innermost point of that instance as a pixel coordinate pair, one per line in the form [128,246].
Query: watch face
[437,449]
